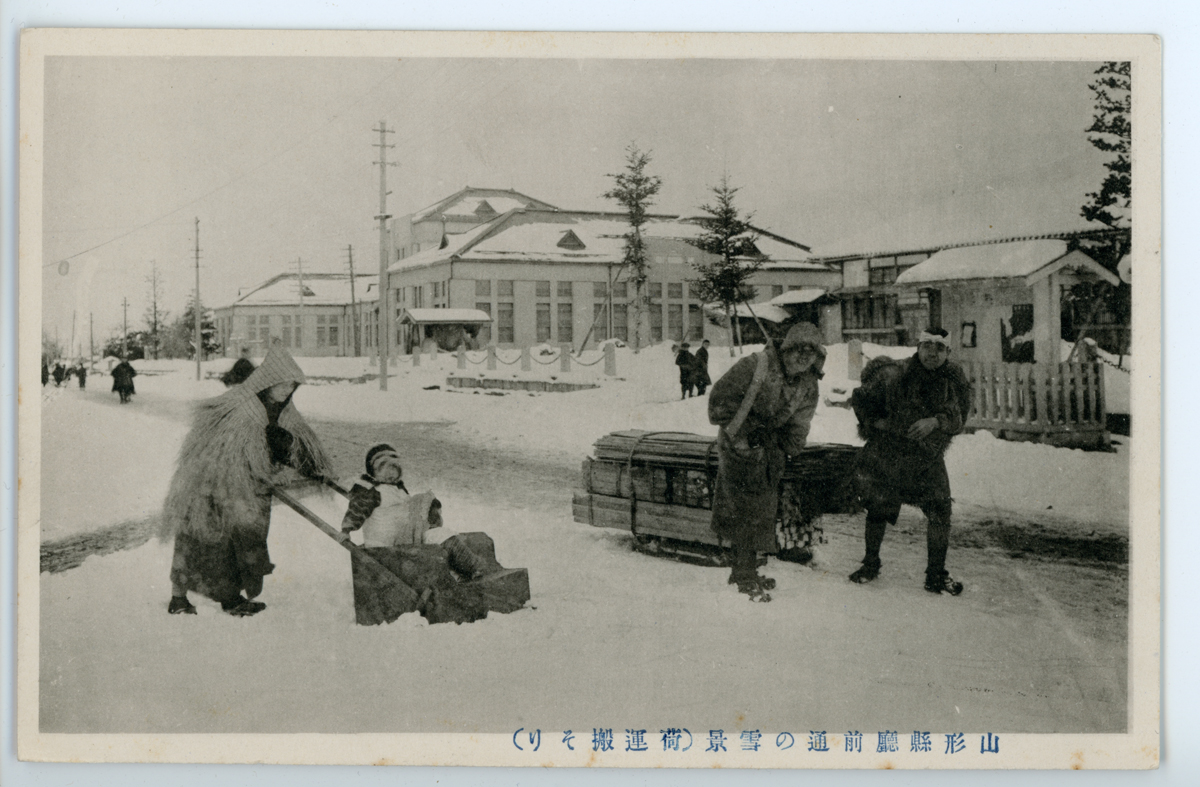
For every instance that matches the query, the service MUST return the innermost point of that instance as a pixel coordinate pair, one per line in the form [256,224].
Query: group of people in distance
[62,374]
[693,369]
[908,412]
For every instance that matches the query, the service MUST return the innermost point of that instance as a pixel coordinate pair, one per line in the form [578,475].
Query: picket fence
[1037,399]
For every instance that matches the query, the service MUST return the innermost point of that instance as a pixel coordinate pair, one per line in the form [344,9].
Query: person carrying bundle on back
[908,412]
[764,405]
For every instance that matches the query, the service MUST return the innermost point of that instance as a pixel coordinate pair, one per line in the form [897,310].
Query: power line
[228,183]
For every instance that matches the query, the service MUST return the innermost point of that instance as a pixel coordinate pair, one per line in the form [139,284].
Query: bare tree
[155,316]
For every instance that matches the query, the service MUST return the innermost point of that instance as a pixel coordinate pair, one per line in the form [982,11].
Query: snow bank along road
[612,638]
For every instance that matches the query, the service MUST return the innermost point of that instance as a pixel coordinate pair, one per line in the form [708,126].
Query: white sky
[274,155]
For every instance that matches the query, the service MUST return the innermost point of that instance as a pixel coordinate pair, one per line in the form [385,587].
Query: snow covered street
[611,637]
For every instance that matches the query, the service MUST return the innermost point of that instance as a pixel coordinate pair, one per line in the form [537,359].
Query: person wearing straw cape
[218,507]
[764,407]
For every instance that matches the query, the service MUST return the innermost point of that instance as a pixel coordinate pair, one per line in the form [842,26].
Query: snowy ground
[610,635]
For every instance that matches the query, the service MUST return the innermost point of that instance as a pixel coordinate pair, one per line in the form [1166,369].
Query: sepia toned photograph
[747,401]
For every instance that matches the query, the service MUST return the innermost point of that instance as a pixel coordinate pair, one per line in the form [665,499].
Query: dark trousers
[937,533]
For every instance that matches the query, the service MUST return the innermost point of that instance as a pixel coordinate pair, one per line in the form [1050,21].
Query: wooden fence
[1038,399]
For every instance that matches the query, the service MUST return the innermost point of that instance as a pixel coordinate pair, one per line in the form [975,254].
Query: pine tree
[731,239]
[1111,132]
[179,342]
[634,190]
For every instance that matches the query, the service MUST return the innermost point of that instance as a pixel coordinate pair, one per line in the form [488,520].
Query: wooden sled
[392,581]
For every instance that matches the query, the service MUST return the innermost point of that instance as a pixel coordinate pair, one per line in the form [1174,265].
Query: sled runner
[391,581]
[659,485]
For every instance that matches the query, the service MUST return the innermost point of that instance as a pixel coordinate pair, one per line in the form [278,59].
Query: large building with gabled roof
[312,314]
[554,276]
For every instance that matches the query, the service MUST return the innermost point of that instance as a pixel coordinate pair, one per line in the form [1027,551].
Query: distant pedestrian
[685,361]
[700,369]
[123,374]
[60,372]
[764,405]
[218,508]
[81,374]
[240,371]
[45,372]
[908,412]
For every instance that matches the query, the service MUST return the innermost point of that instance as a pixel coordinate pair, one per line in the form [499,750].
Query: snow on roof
[802,295]
[454,244]
[320,289]
[416,316]
[467,201]
[536,236]
[1018,259]
[764,311]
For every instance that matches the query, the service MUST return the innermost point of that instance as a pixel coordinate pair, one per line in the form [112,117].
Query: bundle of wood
[660,484]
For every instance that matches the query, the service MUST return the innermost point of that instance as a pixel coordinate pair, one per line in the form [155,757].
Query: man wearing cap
[908,413]
[242,368]
[764,405]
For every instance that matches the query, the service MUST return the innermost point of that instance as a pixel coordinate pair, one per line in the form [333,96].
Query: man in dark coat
[81,373]
[123,374]
[684,360]
[45,372]
[240,371]
[700,369]
[764,405]
[60,372]
[908,412]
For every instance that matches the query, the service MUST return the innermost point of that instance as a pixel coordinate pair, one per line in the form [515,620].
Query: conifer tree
[729,238]
[634,191]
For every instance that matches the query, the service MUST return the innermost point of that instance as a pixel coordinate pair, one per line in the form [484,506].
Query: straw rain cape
[224,468]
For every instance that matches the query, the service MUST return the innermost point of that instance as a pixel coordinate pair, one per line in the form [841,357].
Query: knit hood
[803,333]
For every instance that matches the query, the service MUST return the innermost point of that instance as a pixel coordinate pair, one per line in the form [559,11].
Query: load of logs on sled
[659,485]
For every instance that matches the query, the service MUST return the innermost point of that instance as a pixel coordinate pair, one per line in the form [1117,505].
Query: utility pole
[385,308]
[196,309]
[124,329]
[299,317]
[354,304]
[91,343]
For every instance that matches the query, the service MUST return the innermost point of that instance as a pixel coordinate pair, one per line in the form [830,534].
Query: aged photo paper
[589,400]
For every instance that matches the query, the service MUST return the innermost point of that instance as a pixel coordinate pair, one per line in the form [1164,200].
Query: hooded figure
[685,361]
[218,508]
[764,405]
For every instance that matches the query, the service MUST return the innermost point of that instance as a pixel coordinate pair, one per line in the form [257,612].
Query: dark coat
[892,468]
[238,374]
[700,368]
[59,373]
[45,373]
[685,362]
[123,374]
[750,463]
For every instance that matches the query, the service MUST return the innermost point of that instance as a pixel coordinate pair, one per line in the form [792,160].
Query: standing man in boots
[908,412]
[764,405]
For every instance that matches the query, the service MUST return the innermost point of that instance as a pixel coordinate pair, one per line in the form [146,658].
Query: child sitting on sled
[381,506]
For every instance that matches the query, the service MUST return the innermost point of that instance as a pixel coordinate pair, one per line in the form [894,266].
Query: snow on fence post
[610,360]
[854,359]
[416,354]
[526,360]
[564,357]
[462,356]
[491,359]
